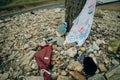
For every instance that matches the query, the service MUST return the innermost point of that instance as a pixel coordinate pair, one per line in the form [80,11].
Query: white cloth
[82,24]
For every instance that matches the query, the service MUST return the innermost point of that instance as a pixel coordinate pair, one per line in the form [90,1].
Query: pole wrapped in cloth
[82,24]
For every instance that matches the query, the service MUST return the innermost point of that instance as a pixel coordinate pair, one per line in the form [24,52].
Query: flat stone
[63,67]
[95,46]
[58,34]
[54,47]
[43,43]
[98,41]
[115,62]
[27,74]
[12,56]
[75,65]
[25,46]
[97,77]
[71,51]
[60,41]
[2,40]
[27,58]
[4,76]
[94,59]
[1,21]
[16,74]
[34,78]
[32,45]
[57,10]
[90,51]
[77,75]
[54,75]
[63,78]
[113,74]
[102,67]
[63,73]
[34,66]
[27,36]
[91,55]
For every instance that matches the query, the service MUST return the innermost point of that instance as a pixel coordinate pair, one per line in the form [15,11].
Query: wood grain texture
[73,8]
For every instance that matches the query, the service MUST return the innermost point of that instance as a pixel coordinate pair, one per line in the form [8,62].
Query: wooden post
[73,8]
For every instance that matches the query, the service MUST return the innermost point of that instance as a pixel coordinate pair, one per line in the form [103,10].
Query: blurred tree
[73,8]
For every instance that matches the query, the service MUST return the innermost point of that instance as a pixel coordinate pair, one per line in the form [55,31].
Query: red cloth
[43,58]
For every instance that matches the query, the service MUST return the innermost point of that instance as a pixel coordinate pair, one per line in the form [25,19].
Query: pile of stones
[20,34]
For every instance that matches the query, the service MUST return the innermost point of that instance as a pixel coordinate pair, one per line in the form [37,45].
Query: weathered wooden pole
[73,8]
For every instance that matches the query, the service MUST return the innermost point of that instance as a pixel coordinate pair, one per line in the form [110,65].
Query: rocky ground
[20,34]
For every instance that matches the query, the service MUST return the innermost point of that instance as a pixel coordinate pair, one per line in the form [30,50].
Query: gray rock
[43,43]
[60,41]
[25,46]
[102,67]
[21,77]
[31,45]
[2,25]
[97,77]
[12,56]
[54,75]
[113,74]
[71,51]
[27,58]
[34,78]
[75,65]
[57,10]
[2,40]
[115,62]
[1,21]
[63,78]
[34,29]
[58,34]
[27,36]
[34,66]
[64,73]
[100,41]
[4,76]
[90,50]
[77,75]
[16,74]
[27,74]
[95,46]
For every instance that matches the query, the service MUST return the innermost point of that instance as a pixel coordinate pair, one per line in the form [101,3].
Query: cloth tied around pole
[43,58]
